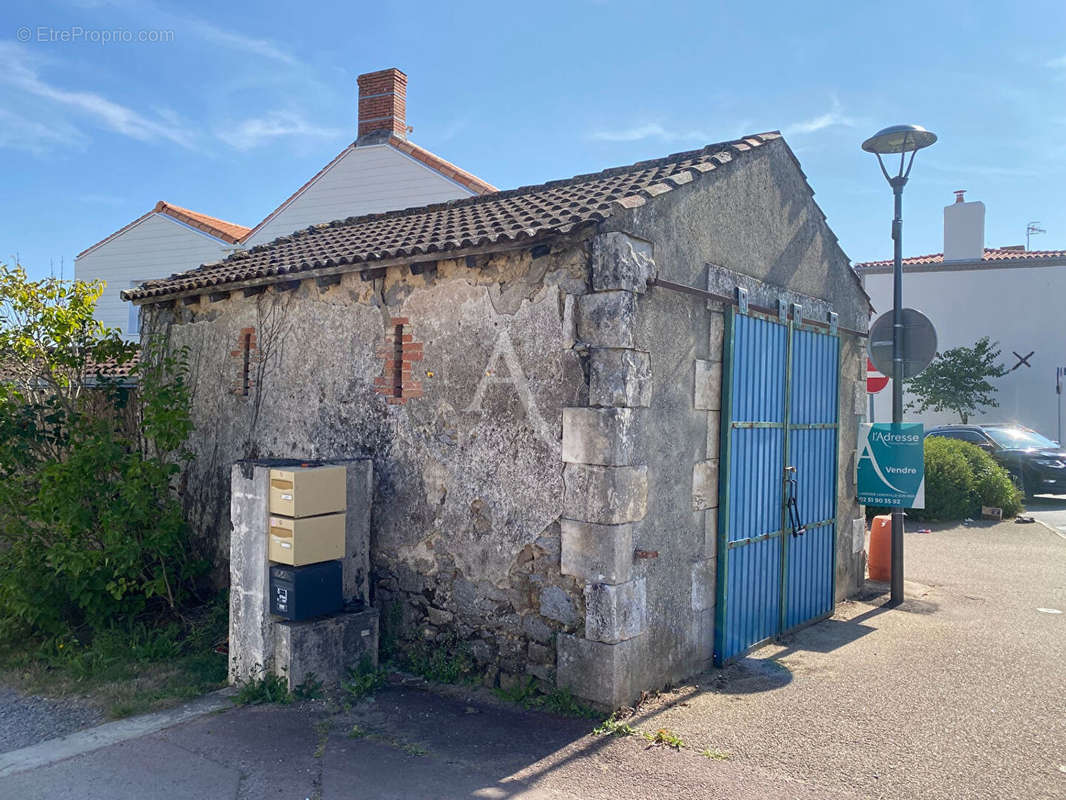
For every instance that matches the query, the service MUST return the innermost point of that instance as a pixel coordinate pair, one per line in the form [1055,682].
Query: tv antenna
[1032,229]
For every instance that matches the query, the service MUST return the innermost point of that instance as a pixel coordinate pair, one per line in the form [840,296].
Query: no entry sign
[875,381]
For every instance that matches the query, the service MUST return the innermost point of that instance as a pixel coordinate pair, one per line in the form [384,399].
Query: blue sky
[245,101]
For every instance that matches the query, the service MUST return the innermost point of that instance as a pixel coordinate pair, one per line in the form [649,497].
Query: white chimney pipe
[964,230]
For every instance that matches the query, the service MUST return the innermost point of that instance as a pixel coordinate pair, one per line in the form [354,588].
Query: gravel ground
[26,719]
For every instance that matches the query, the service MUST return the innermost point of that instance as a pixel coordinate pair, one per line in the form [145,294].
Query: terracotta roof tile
[992,254]
[499,218]
[226,231]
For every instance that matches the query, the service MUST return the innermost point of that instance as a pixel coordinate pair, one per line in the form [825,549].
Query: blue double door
[778,480]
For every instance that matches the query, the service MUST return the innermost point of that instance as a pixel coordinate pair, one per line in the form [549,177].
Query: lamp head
[899,139]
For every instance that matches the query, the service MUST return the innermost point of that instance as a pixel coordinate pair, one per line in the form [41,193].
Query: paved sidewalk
[958,694]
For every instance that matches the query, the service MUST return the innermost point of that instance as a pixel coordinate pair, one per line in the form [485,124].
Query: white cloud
[197,26]
[31,136]
[989,170]
[236,41]
[275,125]
[651,130]
[17,72]
[832,118]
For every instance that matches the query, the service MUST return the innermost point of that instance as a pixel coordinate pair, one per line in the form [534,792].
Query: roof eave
[578,232]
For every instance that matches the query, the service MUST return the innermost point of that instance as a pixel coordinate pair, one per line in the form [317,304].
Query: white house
[166,240]
[380,171]
[1011,295]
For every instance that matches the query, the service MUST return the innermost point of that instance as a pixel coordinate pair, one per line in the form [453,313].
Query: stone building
[537,375]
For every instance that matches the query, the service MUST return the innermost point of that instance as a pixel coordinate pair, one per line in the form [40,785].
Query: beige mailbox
[308,491]
[306,540]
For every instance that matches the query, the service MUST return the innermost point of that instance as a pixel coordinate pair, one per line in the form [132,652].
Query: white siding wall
[367,180]
[1021,308]
[155,248]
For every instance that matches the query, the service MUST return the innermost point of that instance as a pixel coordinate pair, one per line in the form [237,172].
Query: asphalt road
[1049,509]
[959,693]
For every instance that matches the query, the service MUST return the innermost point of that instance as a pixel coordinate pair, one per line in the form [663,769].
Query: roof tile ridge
[442,165]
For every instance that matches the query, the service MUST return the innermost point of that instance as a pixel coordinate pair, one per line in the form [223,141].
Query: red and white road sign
[875,381]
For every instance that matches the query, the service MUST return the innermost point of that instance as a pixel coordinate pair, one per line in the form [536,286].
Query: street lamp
[900,139]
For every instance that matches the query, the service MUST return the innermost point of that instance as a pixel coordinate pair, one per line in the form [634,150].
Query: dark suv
[1037,464]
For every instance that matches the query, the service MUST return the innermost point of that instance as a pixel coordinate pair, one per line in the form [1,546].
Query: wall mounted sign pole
[901,139]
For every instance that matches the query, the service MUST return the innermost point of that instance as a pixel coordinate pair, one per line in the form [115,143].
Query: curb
[52,751]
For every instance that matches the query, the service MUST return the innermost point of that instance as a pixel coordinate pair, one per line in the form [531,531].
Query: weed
[614,727]
[716,755]
[557,701]
[363,679]
[267,689]
[445,661]
[310,689]
[666,737]
[386,739]
[322,729]
[522,693]
[561,701]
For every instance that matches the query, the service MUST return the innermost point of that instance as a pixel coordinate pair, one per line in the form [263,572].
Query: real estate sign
[891,465]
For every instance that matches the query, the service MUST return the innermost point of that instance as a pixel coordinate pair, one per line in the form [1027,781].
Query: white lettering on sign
[504,351]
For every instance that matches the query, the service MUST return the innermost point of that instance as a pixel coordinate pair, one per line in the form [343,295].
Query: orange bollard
[880,560]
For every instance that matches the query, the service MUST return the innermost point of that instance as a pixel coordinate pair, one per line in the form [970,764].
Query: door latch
[794,520]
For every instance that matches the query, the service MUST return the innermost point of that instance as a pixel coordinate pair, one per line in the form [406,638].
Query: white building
[1013,296]
[380,171]
[166,240]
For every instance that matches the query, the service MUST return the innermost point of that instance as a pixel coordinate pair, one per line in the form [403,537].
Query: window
[133,324]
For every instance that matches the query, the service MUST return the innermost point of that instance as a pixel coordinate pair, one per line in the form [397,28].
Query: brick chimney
[382,105]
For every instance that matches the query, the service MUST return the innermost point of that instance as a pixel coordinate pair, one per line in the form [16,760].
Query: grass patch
[322,729]
[664,736]
[410,748]
[363,679]
[133,670]
[614,727]
[264,690]
[714,755]
[444,661]
[557,701]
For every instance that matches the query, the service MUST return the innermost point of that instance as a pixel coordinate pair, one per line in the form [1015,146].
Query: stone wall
[544,431]
[453,381]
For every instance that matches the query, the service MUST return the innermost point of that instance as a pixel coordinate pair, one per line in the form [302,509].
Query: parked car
[1037,464]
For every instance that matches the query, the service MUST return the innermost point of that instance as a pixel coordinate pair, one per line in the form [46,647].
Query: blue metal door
[777,506]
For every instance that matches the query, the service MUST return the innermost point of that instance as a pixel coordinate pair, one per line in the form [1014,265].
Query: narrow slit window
[397,361]
[246,346]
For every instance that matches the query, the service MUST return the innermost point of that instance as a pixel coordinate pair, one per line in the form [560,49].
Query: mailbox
[308,491]
[298,593]
[306,540]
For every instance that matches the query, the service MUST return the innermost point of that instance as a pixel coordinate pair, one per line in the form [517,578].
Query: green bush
[92,536]
[960,478]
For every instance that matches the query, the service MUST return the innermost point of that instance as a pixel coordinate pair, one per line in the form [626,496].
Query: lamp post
[901,139]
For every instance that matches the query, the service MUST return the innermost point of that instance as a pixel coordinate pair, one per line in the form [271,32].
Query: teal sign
[891,465]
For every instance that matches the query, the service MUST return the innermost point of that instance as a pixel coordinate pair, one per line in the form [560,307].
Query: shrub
[92,536]
[960,478]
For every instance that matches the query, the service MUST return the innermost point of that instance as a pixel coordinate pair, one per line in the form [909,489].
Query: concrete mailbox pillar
[323,648]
